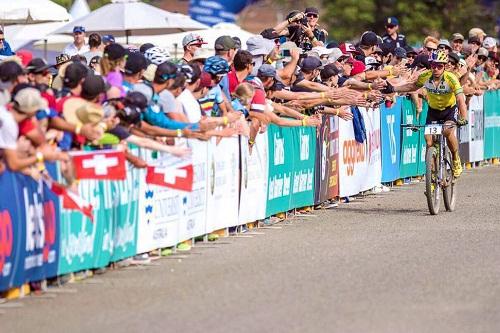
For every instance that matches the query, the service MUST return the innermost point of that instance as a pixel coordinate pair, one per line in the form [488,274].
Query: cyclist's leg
[451,117]
[432,115]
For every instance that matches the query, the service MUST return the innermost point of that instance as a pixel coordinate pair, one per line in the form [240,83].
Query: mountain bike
[439,170]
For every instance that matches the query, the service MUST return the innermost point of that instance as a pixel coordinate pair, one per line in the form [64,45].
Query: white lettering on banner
[477,125]
[303,180]
[77,246]
[390,119]
[124,235]
[35,227]
[409,120]
[304,147]
[167,207]
[100,164]
[410,155]
[279,187]
[491,121]
[279,150]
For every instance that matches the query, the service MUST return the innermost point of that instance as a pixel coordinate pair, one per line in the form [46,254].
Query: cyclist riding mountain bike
[446,101]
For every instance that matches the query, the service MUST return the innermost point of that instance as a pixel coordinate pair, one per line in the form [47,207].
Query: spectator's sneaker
[212,237]
[184,246]
[141,259]
[457,167]
[168,251]
[330,204]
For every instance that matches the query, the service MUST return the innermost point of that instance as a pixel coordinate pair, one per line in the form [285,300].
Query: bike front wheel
[449,189]
[431,180]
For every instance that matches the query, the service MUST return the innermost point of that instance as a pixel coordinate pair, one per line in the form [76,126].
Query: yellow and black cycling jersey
[440,96]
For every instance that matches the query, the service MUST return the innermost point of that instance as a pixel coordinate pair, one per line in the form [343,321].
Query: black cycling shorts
[448,114]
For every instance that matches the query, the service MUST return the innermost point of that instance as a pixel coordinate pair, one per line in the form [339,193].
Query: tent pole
[45,49]
[127,34]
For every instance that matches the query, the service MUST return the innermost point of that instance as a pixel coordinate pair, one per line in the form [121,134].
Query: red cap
[347,48]
[357,67]
[206,80]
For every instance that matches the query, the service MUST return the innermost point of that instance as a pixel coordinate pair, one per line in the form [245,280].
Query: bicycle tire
[449,189]
[431,185]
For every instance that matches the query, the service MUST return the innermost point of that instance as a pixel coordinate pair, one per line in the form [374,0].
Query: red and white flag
[176,177]
[71,200]
[100,164]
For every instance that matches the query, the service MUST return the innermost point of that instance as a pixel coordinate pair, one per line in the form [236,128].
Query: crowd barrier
[287,168]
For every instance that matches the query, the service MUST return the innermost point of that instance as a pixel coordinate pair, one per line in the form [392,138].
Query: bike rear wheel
[431,180]
[449,189]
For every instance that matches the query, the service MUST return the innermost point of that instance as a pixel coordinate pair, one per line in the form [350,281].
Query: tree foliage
[347,19]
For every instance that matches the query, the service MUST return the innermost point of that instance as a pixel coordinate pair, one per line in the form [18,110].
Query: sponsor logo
[353,153]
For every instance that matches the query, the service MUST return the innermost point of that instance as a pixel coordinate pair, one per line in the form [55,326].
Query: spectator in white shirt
[78,46]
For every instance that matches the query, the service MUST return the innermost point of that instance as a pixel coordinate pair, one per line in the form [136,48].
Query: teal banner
[292,154]
[491,124]
[410,140]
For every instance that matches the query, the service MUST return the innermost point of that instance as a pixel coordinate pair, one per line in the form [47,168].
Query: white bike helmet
[157,55]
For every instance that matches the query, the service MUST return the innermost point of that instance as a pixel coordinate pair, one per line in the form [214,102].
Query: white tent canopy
[132,17]
[31,11]
[19,35]
[79,9]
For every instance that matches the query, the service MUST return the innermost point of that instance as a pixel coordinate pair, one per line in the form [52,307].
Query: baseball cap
[78,28]
[224,43]
[29,100]
[267,71]
[93,86]
[312,10]
[206,80]
[328,71]
[476,32]
[144,47]
[445,42]
[270,33]
[482,52]
[108,39]
[288,46]
[311,63]
[453,57]
[114,51]
[37,65]
[369,38]
[10,70]
[421,61]
[474,39]
[322,51]
[75,72]
[410,50]
[192,38]
[489,42]
[136,62]
[335,55]
[89,113]
[166,70]
[62,58]
[457,36]
[357,67]
[347,48]
[258,45]
[237,41]
[371,63]
[391,21]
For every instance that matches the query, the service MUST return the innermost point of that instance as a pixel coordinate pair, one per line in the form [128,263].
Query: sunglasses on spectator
[442,47]
[482,58]
[390,26]
[476,43]
[312,15]
[437,66]
[411,56]
[430,49]
[454,64]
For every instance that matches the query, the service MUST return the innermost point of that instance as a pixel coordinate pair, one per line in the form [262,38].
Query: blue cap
[78,29]
[399,52]
[108,39]
[392,21]
[267,71]
[311,63]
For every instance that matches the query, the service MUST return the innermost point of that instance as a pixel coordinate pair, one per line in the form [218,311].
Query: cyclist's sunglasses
[437,66]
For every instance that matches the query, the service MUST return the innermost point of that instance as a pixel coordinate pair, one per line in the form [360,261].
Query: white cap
[321,50]
[489,42]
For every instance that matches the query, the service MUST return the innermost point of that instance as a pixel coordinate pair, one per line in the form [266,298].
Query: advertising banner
[291,170]
[373,158]
[491,124]
[390,131]
[327,151]
[253,182]
[223,183]
[471,137]
[29,236]
[410,140]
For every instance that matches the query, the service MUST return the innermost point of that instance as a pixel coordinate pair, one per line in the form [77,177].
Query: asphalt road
[379,264]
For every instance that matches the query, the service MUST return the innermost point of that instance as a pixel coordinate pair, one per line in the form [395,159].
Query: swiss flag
[70,199]
[101,164]
[179,178]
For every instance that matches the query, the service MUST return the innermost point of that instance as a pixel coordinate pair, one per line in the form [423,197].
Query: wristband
[251,142]
[390,71]
[304,120]
[366,95]
[338,111]
[39,157]
[330,100]
[103,126]
[179,133]
[370,86]
[78,129]
[225,121]
[322,95]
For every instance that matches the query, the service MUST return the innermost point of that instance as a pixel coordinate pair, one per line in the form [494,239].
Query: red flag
[102,164]
[179,178]
[70,199]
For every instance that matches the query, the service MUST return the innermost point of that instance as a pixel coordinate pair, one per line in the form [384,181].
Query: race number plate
[433,129]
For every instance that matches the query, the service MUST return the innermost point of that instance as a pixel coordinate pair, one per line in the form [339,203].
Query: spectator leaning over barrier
[78,45]
[191,43]
[367,45]
[392,36]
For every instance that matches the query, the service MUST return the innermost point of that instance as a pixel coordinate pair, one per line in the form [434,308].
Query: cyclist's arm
[462,106]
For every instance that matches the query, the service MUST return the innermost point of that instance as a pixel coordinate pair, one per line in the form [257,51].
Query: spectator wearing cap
[135,66]
[453,64]
[108,39]
[490,44]
[391,36]
[78,45]
[73,76]
[191,43]
[444,44]
[38,72]
[474,43]
[410,54]
[189,97]
[309,71]
[5,49]
[457,43]
[225,47]
[482,56]
[477,32]
[367,45]
[95,47]
[260,48]
[11,74]
[302,28]
[112,64]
